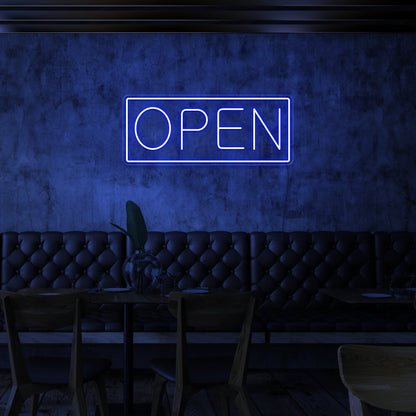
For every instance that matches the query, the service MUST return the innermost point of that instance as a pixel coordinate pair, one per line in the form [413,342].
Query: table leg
[128,358]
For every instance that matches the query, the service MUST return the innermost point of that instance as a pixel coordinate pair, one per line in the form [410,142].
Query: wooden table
[128,299]
[357,296]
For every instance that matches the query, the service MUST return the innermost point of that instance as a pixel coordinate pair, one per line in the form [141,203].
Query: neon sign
[203,130]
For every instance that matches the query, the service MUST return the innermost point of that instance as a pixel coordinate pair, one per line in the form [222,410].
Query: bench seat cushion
[341,321]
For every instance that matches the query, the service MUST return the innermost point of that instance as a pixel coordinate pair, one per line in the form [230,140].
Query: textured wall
[61,131]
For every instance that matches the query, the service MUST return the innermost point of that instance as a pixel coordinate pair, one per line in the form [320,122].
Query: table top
[112,295]
[104,296]
[366,296]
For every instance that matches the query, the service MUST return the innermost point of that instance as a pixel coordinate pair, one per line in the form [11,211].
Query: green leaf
[121,229]
[136,226]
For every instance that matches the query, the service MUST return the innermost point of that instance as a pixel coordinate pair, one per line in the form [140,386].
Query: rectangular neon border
[203,161]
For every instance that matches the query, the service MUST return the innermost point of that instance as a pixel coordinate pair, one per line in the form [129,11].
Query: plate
[116,289]
[195,290]
[376,295]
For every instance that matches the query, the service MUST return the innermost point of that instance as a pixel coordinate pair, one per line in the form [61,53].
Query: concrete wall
[354,117]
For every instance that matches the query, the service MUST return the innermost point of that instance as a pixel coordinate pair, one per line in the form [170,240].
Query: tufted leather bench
[287,269]
[290,268]
[94,259]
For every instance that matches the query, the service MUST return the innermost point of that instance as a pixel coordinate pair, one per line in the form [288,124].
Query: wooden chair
[33,376]
[226,375]
[382,376]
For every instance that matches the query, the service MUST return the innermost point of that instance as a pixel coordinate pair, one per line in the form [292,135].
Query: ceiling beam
[280,16]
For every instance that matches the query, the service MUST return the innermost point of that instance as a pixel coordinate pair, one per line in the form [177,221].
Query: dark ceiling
[255,16]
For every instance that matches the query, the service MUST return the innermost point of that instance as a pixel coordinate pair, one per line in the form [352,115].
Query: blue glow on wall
[62,131]
[205,130]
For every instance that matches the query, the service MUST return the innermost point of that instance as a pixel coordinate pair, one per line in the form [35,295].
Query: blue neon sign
[203,130]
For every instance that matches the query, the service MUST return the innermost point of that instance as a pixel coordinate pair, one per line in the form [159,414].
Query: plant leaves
[121,229]
[136,226]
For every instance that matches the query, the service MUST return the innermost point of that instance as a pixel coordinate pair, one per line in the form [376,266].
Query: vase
[140,270]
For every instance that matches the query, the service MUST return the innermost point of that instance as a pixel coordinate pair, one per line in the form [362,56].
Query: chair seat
[217,311]
[203,370]
[382,376]
[55,370]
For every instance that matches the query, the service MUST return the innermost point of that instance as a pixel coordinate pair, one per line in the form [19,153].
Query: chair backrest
[219,311]
[45,310]
[214,311]
[383,376]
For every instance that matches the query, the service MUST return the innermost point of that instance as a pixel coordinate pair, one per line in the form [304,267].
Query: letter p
[183,129]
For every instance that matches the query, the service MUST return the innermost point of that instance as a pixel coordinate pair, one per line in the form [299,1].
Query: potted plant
[141,268]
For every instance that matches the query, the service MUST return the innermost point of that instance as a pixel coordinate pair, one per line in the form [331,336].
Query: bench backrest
[286,268]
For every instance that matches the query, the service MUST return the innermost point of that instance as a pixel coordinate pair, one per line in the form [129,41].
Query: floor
[283,393]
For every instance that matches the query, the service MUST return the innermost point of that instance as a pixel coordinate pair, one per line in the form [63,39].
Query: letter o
[169,128]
